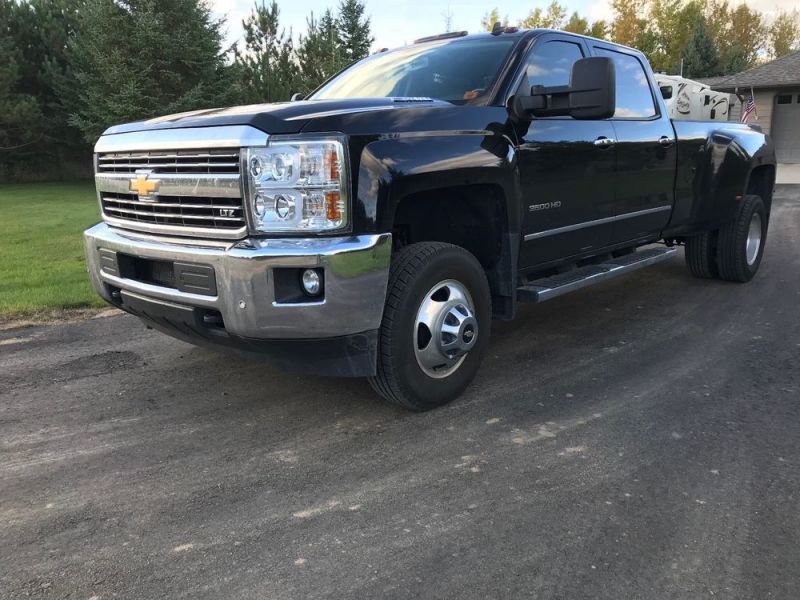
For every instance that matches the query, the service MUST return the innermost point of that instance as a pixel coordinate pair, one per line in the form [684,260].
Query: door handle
[604,142]
[666,141]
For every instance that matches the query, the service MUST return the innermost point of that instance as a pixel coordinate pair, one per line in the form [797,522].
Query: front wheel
[435,325]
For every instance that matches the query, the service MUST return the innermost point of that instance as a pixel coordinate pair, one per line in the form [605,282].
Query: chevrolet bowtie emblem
[145,188]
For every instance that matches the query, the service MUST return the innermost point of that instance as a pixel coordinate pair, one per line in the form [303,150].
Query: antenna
[448,19]
[497,28]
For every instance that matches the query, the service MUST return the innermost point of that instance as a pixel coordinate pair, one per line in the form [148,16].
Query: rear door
[566,166]
[646,151]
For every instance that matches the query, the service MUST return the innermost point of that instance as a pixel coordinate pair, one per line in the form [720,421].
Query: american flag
[748,109]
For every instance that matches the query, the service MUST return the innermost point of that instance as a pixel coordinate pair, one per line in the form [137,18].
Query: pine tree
[266,66]
[20,115]
[354,30]
[319,54]
[133,59]
[700,57]
[577,24]
[599,29]
[33,38]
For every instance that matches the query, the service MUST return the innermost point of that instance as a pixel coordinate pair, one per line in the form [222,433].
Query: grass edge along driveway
[42,265]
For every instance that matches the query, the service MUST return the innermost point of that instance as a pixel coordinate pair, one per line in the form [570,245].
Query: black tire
[701,255]
[415,271]
[732,257]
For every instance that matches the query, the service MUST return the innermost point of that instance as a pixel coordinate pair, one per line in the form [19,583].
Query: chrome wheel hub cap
[753,239]
[445,329]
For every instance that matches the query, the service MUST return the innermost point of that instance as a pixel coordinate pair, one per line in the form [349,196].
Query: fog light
[311,282]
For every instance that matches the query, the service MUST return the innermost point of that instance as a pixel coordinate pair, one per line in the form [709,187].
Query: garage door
[786,126]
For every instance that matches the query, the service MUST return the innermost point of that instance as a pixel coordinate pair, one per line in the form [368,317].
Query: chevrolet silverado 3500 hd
[377,227]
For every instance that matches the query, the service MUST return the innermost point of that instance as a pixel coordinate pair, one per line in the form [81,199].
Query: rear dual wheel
[740,245]
[734,251]
[435,325]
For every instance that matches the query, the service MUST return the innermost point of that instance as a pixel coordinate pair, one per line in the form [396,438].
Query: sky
[398,22]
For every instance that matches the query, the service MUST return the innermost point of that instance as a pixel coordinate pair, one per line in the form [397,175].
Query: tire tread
[405,264]
[700,253]
[731,260]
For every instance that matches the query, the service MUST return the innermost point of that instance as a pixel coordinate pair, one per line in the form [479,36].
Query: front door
[566,167]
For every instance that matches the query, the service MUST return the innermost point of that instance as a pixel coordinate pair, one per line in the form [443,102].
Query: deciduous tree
[629,22]
[745,39]
[553,17]
[489,19]
[672,23]
[784,33]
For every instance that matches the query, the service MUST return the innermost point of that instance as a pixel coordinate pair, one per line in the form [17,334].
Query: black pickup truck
[377,227]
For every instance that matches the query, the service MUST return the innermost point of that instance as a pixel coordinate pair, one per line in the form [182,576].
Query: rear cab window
[634,96]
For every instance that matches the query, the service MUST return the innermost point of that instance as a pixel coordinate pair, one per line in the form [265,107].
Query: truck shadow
[635,308]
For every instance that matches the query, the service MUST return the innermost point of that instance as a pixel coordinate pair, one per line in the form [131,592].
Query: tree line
[74,67]
[706,37]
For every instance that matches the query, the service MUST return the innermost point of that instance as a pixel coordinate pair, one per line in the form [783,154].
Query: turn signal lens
[333,206]
[332,164]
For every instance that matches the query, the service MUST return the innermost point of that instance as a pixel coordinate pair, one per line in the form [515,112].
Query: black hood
[279,118]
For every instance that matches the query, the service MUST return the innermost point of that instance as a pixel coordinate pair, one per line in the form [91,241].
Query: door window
[550,64]
[634,97]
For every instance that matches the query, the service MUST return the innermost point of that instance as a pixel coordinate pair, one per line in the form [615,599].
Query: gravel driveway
[637,439]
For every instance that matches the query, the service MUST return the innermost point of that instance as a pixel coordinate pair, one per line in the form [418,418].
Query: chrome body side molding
[639,213]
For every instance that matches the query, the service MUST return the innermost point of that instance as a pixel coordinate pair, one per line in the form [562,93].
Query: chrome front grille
[211,161]
[194,193]
[184,211]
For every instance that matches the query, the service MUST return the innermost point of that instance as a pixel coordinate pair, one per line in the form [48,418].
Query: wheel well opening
[762,182]
[472,217]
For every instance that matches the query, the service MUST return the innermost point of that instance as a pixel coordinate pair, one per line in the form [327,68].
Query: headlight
[297,185]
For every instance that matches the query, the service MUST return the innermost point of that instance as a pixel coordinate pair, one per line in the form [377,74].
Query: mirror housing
[296,97]
[666,91]
[590,95]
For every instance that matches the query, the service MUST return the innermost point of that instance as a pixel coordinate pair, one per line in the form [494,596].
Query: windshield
[455,71]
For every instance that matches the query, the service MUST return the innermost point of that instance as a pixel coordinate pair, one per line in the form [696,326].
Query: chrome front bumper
[356,270]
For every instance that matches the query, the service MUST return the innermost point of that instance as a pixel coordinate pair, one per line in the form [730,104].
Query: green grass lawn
[42,267]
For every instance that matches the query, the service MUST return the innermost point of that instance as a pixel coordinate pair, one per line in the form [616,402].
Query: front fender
[394,167]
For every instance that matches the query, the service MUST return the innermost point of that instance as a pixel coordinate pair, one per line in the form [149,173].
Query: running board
[546,288]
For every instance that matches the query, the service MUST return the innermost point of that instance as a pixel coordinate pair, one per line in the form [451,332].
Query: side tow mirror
[297,96]
[590,95]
